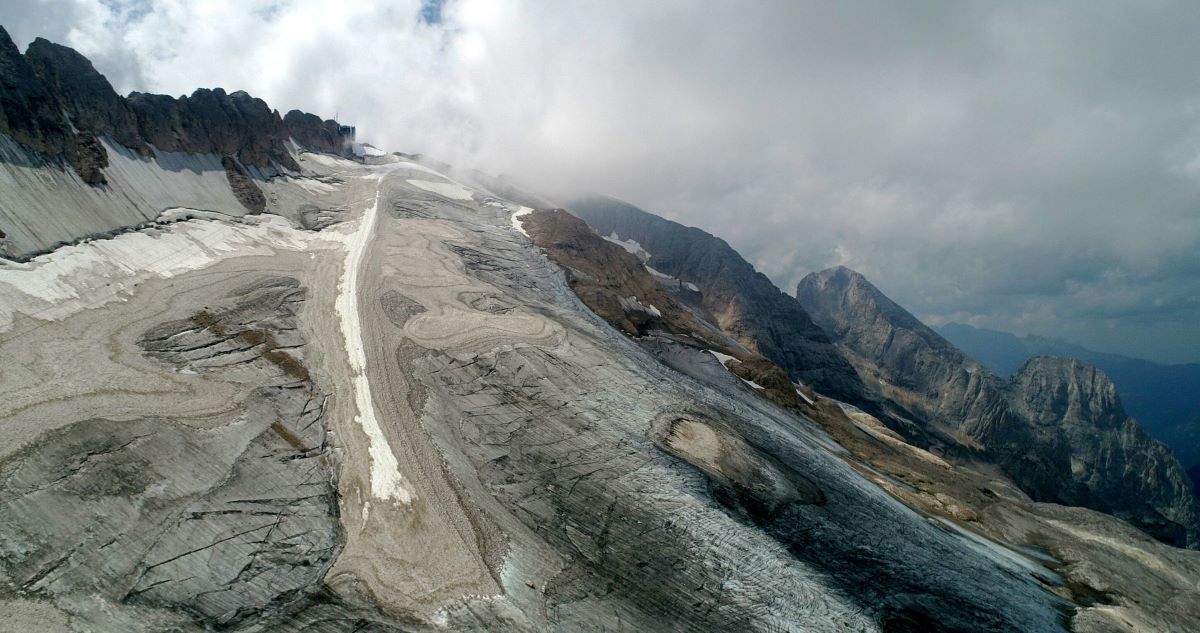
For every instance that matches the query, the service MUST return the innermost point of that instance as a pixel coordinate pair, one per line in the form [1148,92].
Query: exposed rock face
[745,303]
[310,131]
[616,286]
[1057,428]
[920,370]
[51,88]
[213,122]
[85,94]
[243,186]
[89,158]
[29,113]
[609,280]
[1165,399]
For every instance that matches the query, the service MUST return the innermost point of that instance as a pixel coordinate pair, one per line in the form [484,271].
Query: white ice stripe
[451,190]
[516,219]
[802,395]
[753,384]
[386,480]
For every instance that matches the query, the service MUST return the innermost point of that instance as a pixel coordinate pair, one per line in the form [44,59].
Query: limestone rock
[85,94]
[1057,428]
[29,112]
[310,131]
[745,303]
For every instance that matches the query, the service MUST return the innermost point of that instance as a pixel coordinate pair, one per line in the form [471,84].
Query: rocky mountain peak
[1056,389]
[1056,428]
[844,297]
[309,130]
[54,102]
[29,113]
[86,95]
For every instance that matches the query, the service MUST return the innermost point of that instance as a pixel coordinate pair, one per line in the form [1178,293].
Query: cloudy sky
[1026,166]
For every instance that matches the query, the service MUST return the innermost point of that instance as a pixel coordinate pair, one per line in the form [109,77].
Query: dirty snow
[633,304]
[451,190]
[366,149]
[516,219]
[722,358]
[314,186]
[1003,556]
[96,272]
[661,276]
[386,480]
[328,160]
[175,214]
[34,197]
[631,246]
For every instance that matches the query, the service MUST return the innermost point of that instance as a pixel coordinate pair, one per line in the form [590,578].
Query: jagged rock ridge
[77,160]
[52,89]
[744,302]
[1057,427]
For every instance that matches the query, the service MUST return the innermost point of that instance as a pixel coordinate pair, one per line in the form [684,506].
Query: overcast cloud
[1031,167]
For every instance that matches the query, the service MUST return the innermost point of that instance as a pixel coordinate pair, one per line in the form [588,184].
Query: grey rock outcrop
[1056,428]
[744,302]
[214,122]
[1117,467]
[31,114]
[84,94]
[310,131]
[54,102]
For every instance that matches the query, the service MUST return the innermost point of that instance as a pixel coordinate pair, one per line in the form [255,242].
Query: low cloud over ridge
[1018,166]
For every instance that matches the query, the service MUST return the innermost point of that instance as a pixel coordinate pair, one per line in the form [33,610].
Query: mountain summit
[1057,427]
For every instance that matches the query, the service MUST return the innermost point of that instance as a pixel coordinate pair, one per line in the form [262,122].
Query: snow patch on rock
[516,219]
[630,246]
[386,480]
[722,358]
[633,304]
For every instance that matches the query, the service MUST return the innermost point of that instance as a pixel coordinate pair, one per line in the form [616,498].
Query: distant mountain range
[1165,399]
